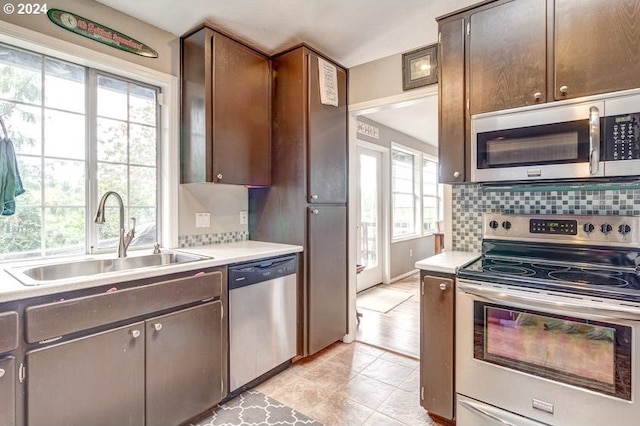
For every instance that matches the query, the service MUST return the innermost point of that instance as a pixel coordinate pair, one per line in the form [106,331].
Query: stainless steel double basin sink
[44,274]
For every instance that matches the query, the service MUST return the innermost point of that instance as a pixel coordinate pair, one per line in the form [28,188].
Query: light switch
[203,220]
[243,217]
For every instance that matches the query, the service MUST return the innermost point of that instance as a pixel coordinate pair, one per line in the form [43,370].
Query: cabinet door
[7,391]
[508,56]
[94,380]
[596,46]
[327,275]
[327,140]
[436,345]
[184,364]
[451,143]
[241,114]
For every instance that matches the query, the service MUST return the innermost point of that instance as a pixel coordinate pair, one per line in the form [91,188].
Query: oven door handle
[584,307]
[473,407]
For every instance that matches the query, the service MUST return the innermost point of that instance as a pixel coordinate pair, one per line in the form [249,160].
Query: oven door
[542,142]
[558,360]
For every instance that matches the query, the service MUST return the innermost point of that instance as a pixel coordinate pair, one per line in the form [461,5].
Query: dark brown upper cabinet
[226,113]
[507,56]
[451,129]
[596,47]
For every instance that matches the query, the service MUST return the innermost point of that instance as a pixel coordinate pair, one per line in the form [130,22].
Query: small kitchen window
[405,188]
[78,132]
[432,195]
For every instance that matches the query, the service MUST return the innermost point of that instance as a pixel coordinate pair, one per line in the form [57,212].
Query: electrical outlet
[203,220]
[244,217]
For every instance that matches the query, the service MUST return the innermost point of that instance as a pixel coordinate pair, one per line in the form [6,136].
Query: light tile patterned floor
[352,384]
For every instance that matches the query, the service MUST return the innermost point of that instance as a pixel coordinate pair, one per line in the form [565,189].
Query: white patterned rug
[380,299]
[255,408]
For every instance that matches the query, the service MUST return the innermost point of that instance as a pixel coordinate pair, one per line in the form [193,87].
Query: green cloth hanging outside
[10,182]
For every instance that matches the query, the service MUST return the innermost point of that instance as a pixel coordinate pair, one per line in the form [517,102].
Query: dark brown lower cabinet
[7,391]
[162,371]
[437,308]
[95,380]
[327,280]
[184,355]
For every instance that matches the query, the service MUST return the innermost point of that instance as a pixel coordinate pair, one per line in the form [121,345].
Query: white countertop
[447,262]
[219,254]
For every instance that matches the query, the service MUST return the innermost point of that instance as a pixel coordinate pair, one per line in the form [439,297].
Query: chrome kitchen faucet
[125,240]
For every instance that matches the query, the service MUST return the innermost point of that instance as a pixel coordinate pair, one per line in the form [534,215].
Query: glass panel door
[369,218]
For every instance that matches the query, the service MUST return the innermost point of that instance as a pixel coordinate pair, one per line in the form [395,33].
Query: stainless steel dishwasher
[262,317]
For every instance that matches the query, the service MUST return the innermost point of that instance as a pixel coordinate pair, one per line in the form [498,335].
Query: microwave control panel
[622,137]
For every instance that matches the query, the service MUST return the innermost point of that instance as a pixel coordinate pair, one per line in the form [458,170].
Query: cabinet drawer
[8,331]
[65,317]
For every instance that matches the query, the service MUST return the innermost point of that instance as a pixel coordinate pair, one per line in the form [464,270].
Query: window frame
[438,197]
[168,109]
[419,158]
[417,192]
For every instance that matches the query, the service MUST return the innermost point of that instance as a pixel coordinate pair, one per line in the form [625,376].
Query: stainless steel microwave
[598,136]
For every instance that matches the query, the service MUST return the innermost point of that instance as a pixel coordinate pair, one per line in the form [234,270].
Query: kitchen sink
[43,274]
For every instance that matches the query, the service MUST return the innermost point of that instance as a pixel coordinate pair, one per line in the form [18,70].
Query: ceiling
[351,32]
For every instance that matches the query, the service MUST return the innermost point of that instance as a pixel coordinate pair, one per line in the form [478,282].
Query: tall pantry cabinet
[307,201]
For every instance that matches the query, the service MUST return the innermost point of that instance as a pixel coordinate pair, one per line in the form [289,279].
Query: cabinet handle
[564,90]
[2,372]
[537,96]
[157,326]
[315,211]
[456,174]
[443,286]
[135,333]
[314,197]
[219,176]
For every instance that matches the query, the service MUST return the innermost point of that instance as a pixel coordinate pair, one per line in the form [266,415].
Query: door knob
[315,211]
[443,286]
[456,174]
[564,90]
[2,372]
[135,333]
[537,96]
[219,176]
[314,197]
[157,326]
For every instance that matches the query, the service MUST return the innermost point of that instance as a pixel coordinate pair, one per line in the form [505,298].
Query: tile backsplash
[206,239]
[470,201]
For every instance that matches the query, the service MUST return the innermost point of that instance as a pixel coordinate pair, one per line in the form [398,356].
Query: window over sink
[78,132]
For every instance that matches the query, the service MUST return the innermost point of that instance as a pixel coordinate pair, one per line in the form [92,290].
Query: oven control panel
[548,226]
[622,137]
[623,231]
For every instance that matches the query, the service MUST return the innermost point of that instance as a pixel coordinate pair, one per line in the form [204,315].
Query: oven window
[592,355]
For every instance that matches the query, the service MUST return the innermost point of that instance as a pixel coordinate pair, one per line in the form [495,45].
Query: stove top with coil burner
[589,255]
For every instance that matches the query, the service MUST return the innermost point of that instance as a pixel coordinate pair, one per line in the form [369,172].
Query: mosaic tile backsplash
[470,201]
[207,239]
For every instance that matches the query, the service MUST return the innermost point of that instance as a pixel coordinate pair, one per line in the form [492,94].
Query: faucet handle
[132,231]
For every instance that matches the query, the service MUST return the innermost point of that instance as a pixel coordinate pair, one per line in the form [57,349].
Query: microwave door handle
[594,310]
[594,140]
